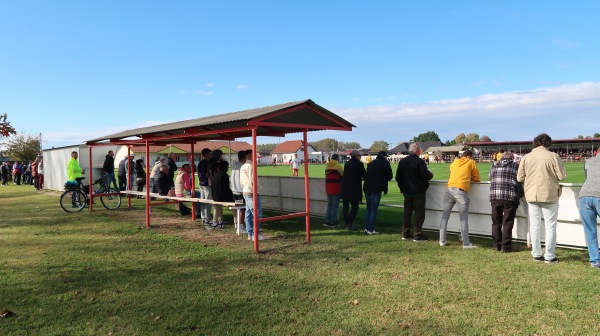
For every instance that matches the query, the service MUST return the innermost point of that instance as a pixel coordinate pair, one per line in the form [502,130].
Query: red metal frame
[306,186]
[192,171]
[147,184]
[230,133]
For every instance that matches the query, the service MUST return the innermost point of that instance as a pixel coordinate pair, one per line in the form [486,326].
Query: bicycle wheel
[111,202]
[72,201]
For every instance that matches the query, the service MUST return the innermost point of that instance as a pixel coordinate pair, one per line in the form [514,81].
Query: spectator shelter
[277,120]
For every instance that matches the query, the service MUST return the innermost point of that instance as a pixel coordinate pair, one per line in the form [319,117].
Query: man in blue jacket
[379,172]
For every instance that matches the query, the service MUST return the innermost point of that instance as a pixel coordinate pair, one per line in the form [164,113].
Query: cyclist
[73,169]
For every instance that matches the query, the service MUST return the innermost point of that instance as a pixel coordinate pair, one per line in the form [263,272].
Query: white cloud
[539,101]
[478,83]
[544,109]
[242,87]
[210,84]
[205,93]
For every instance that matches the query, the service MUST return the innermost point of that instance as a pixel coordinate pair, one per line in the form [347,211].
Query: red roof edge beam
[294,117]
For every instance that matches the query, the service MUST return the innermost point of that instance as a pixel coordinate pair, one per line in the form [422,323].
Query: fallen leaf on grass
[6,313]
[239,269]
[354,302]
[157,318]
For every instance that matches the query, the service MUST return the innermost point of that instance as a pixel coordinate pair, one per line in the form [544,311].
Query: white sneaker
[371,232]
[249,236]
[259,237]
[443,244]
[470,246]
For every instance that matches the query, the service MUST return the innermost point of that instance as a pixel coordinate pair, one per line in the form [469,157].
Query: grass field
[575,174]
[100,273]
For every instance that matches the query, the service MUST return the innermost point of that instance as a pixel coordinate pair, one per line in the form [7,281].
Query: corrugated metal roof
[286,118]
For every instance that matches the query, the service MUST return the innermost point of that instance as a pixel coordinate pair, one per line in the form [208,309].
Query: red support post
[255,190]
[90,187]
[306,188]
[147,184]
[127,176]
[194,204]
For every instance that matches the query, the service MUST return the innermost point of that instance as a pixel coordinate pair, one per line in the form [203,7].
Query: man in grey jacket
[589,207]
[540,172]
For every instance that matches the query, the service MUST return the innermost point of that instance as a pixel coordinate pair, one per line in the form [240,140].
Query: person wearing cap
[379,172]
[333,181]
[413,178]
[351,188]
[462,172]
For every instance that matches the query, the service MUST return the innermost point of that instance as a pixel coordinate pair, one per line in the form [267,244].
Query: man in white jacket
[246,180]
[235,184]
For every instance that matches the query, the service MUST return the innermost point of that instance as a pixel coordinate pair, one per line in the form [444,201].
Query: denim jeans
[195,206]
[373,199]
[111,178]
[205,193]
[461,199]
[250,213]
[152,186]
[550,213]
[589,209]
[333,209]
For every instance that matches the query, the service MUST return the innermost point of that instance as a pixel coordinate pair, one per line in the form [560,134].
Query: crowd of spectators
[23,173]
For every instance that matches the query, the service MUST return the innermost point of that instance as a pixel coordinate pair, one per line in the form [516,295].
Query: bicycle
[75,197]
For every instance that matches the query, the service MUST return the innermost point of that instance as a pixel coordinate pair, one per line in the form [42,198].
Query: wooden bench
[235,207]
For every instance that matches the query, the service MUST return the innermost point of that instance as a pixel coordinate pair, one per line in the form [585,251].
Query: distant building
[284,152]
[402,147]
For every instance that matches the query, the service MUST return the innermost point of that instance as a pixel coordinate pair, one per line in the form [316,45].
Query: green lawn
[100,273]
[575,174]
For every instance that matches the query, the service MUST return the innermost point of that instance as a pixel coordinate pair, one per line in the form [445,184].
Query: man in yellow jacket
[462,172]
[73,169]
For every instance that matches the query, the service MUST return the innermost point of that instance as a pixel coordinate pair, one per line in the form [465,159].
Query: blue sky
[74,70]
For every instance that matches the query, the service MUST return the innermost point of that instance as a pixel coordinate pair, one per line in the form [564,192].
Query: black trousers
[347,214]
[503,220]
[122,182]
[414,204]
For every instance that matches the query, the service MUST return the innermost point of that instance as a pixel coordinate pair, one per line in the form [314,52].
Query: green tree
[427,136]
[450,142]
[349,145]
[326,145]
[596,135]
[461,138]
[485,138]
[580,136]
[23,147]
[472,137]
[380,145]
[266,147]
[5,128]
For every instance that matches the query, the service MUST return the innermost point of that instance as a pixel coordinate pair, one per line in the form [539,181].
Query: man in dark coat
[172,168]
[122,174]
[163,181]
[109,169]
[413,178]
[379,172]
[351,189]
